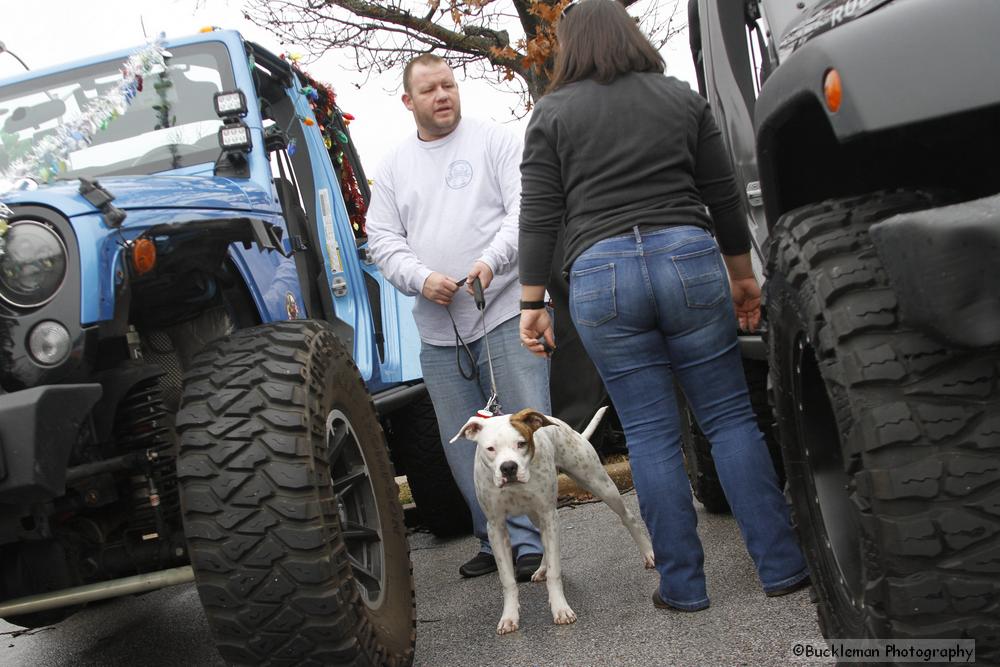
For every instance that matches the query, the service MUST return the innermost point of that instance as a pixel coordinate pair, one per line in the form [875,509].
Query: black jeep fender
[905,63]
[942,265]
[38,428]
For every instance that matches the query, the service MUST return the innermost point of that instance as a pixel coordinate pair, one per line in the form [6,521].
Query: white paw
[563,616]
[506,625]
[648,560]
[539,574]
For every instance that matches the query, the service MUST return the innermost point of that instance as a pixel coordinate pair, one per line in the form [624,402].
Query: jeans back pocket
[592,295]
[701,275]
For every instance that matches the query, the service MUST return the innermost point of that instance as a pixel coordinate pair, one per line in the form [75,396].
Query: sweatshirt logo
[459,174]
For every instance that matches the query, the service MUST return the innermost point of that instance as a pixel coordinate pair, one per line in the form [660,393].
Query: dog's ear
[532,419]
[470,430]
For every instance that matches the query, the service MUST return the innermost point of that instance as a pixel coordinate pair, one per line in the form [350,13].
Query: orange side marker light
[832,90]
[143,256]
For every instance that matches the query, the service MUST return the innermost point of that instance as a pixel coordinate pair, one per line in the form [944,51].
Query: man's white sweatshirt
[440,206]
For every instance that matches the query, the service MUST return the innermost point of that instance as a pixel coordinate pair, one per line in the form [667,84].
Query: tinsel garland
[48,158]
[329,117]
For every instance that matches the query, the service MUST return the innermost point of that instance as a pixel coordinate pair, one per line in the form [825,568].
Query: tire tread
[918,420]
[265,538]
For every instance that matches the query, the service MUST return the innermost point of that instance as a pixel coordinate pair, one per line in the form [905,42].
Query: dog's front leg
[548,526]
[500,539]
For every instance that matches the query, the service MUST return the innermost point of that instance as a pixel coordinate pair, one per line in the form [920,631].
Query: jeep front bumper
[38,428]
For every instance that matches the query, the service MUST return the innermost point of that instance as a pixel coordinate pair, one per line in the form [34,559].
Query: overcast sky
[57,31]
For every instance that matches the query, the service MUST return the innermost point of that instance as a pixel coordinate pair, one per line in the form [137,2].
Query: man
[444,207]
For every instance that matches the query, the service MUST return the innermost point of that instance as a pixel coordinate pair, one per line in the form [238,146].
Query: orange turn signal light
[143,256]
[832,90]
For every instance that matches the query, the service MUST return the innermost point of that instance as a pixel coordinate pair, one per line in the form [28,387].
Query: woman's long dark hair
[599,40]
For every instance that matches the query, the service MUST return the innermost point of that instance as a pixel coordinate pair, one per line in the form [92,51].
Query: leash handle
[461,345]
[477,290]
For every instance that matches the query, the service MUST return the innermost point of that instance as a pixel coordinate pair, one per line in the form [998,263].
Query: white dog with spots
[517,458]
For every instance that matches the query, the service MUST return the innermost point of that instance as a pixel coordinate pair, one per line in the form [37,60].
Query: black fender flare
[902,64]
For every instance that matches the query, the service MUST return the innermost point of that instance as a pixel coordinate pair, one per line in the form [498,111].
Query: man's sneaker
[526,566]
[482,563]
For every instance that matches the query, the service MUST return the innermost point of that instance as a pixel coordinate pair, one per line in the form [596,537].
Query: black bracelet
[532,305]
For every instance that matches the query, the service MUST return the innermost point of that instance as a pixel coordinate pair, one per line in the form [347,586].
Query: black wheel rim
[833,488]
[357,507]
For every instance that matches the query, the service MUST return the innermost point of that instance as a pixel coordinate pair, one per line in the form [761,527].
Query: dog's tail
[592,426]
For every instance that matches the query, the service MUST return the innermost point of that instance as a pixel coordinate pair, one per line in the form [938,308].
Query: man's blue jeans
[522,382]
[656,304]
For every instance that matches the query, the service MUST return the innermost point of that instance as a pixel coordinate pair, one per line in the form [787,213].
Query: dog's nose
[508,469]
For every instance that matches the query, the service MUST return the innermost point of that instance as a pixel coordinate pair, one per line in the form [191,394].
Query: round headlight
[33,265]
[49,343]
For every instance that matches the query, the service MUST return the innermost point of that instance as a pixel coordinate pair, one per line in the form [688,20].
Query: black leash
[493,404]
[460,345]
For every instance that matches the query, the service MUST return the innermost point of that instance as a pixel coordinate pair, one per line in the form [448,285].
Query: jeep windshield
[170,124]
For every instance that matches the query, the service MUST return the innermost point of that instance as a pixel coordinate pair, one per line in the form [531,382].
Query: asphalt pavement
[610,591]
[456,618]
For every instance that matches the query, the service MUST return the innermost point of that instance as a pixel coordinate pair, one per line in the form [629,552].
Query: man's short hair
[425,59]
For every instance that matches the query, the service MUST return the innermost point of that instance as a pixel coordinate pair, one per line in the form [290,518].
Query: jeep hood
[824,16]
[133,193]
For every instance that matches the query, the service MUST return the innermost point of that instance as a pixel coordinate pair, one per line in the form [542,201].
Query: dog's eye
[522,444]
[490,449]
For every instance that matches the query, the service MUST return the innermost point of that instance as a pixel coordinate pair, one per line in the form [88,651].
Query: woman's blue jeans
[651,306]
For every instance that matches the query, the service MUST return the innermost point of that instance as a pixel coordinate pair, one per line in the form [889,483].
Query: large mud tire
[891,438]
[290,507]
[418,448]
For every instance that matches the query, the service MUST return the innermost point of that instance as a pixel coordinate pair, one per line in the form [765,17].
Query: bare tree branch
[509,43]
[450,39]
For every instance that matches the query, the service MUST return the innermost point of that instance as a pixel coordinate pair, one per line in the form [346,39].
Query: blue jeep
[199,365]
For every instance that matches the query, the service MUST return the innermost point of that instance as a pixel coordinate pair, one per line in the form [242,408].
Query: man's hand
[534,325]
[479,270]
[439,288]
[746,300]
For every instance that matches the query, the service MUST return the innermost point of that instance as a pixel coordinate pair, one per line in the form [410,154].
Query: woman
[628,159]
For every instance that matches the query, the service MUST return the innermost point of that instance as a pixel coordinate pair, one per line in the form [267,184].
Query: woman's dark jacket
[642,150]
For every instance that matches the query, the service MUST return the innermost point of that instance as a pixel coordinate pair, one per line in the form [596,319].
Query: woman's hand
[746,290]
[536,324]
[746,300]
